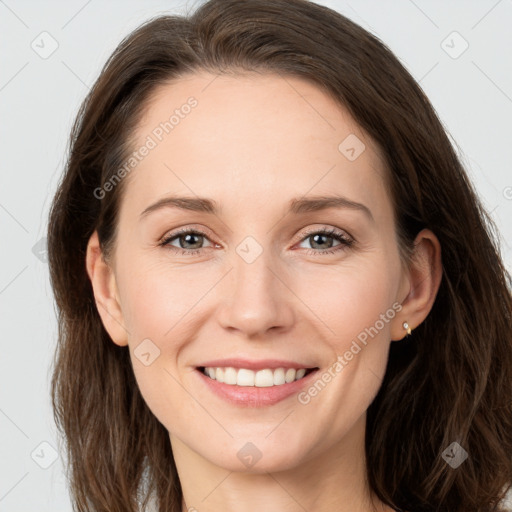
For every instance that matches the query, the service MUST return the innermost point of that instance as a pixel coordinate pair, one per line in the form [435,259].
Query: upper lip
[254,364]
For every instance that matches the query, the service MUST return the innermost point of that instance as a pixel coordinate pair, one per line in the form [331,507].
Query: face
[256,279]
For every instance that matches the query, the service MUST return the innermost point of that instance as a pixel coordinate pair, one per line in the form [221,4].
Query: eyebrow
[296,206]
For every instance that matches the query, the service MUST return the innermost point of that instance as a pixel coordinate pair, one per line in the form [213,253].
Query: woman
[250,371]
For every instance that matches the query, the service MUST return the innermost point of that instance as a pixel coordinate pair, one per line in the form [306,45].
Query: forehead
[251,139]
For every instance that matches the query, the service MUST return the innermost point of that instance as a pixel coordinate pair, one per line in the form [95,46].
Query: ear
[105,292]
[420,285]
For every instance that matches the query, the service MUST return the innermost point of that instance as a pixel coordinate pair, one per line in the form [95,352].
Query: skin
[252,144]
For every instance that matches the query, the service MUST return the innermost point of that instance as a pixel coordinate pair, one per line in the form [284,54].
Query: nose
[258,298]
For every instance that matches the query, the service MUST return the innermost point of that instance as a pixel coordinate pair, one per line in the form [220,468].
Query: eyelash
[345,242]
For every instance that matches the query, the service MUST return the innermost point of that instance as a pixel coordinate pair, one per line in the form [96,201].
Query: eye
[318,239]
[189,240]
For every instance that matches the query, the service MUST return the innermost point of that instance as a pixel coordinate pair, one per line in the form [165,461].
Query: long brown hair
[450,381]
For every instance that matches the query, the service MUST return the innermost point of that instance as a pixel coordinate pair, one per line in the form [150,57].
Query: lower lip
[251,396]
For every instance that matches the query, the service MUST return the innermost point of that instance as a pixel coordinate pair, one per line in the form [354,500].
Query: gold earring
[407,328]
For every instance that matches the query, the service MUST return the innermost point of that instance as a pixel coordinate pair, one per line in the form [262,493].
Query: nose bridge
[252,270]
[257,299]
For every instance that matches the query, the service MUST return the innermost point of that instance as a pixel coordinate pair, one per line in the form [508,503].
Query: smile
[249,378]
[255,388]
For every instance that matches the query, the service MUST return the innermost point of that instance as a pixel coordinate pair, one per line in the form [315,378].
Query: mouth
[264,378]
[242,387]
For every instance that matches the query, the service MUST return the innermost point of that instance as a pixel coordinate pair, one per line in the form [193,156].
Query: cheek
[356,308]
[351,298]
[158,307]
[156,300]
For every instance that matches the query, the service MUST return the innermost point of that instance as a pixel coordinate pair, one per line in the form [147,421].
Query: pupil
[189,236]
[319,236]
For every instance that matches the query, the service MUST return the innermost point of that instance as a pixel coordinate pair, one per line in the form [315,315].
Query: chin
[249,459]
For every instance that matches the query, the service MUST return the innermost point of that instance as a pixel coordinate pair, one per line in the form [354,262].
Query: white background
[40,97]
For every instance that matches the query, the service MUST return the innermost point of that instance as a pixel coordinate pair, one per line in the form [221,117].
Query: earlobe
[424,279]
[106,296]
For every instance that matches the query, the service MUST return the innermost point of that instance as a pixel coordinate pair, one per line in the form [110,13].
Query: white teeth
[260,379]
[230,376]
[300,373]
[279,377]
[264,379]
[290,375]
[245,377]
